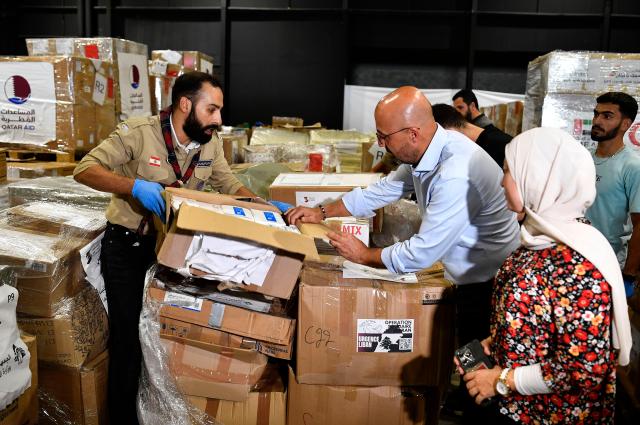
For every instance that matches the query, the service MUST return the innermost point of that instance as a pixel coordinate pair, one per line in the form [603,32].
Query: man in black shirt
[490,138]
[466,103]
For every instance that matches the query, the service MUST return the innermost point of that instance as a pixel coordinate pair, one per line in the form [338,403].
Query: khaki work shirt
[136,149]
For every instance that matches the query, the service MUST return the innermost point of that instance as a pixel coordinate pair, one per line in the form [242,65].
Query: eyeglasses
[382,138]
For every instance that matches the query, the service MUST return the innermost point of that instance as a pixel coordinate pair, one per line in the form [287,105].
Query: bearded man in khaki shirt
[179,148]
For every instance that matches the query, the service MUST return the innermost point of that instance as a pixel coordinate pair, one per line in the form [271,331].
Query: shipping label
[313,199]
[183,301]
[135,98]
[27,102]
[385,336]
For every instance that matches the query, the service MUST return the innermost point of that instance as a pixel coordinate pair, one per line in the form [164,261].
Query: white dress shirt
[465,220]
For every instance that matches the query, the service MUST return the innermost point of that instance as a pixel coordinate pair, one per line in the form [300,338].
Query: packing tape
[211,407]
[350,394]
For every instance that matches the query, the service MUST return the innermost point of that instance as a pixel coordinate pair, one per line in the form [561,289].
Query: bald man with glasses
[465,221]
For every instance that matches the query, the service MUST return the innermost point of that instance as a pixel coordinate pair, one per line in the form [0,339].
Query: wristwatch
[502,387]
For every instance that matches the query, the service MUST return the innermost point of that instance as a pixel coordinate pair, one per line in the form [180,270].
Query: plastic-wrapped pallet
[562,88]
[327,157]
[273,136]
[190,60]
[130,75]
[30,121]
[58,190]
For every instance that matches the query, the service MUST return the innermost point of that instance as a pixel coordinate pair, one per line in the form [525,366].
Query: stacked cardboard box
[128,81]
[45,246]
[217,338]
[562,88]
[352,147]
[37,83]
[361,340]
[506,116]
[24,410]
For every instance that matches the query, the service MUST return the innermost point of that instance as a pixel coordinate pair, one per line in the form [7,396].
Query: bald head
[404,107]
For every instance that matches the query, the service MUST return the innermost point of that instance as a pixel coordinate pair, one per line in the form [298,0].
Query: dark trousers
[125,259]
[473,312]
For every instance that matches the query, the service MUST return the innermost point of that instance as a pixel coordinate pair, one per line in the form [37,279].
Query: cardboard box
[234,320]
[312,189]
[76,335]
[351,146]
[161,88]
[58,219]
[48,268]
[267,406]
[185,332]
[291,247]
[24,410]
[233,145]
[76,394]
[373,332]
[30,121]
[348,405]
[3,166]
[191,60]
[213,371]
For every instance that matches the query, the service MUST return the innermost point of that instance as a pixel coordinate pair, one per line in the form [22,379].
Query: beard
[468,116]
[196,131]
[604,136]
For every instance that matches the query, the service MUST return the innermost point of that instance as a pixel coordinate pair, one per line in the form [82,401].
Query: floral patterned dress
[553,307]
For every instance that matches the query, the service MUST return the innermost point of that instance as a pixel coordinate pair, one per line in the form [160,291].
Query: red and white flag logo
[154,161]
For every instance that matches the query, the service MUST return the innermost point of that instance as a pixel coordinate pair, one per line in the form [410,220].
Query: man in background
[616,210]
[490,138]
[466,104]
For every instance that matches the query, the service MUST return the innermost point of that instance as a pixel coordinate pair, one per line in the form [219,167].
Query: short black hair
[189,85]
[627,104]
[467,97]
[447,116]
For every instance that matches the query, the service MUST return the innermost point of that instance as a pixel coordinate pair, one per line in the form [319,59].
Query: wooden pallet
[15,155]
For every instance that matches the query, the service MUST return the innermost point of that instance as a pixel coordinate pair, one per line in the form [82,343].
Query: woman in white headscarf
[560,323]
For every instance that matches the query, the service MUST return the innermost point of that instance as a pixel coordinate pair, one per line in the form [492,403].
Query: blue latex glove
[149,195]
[629,285]
[282,206]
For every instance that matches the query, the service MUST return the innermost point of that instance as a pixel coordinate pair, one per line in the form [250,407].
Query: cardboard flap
[242,354]
[201,220]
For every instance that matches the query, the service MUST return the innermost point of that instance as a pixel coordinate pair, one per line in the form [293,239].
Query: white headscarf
[555,177]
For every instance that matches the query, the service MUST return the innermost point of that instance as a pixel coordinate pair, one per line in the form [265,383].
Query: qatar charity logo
[134,76]
[17,89]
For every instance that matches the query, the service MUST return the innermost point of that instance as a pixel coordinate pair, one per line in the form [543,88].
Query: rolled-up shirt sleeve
[450,207]
[363,202]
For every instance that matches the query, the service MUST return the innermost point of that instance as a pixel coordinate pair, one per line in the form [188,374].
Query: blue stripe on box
[270,217]
[239,211]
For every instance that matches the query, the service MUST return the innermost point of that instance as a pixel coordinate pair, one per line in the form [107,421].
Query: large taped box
[161,88]
[313,189]
[24,409]
[213,371]
[277,330]
[349,405]
[33,170]
[59,190]
[76,394]
[48,267]
[32,86]
[267,405]
[129,58]
[233,145]
[562,88]
[186,332]
[76,335]
[193,216]
[190,60]
[374,332]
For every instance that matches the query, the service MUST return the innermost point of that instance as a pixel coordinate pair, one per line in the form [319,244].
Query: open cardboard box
[291,248]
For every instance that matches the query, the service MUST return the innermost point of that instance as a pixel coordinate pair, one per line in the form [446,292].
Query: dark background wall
[293,57]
